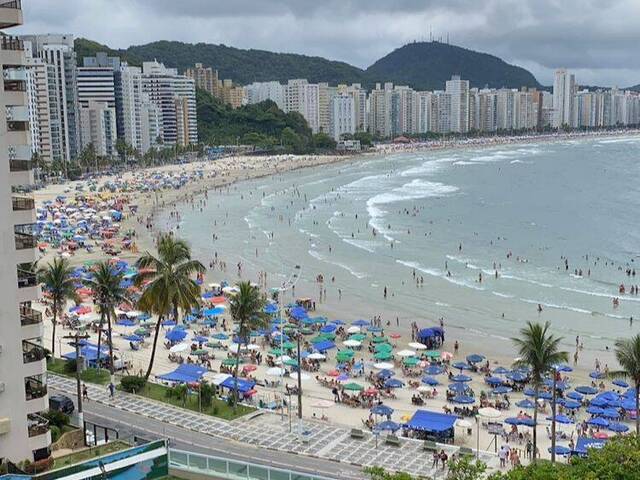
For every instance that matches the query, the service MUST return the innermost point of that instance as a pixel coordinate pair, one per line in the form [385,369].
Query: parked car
[61,403]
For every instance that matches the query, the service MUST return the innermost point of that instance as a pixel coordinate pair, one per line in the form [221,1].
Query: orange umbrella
[217,300]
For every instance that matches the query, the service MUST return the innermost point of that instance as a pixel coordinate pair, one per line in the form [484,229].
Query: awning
[185,373]
[244,386]
[583,444]
[427,421]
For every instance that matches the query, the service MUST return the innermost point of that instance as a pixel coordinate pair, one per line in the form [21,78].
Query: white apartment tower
[564,88]
[342,116]
[459,91]
[260,91]
[24,433]
[303,97]
[98,128]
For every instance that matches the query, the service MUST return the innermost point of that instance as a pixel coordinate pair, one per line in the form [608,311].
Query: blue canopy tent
[89,353]
[432,337]
[584,444]
[185,373]
[432,425]
[244,385]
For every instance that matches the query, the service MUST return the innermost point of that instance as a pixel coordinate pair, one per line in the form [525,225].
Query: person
[443,459]
[502,455]
[436,458]
[85,393]
[112,390]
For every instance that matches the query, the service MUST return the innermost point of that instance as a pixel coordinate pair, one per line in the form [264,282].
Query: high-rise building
[96,80]
[342,116]
[564,89]
[57,50]
[459,91]
[98,128]
[206,78]
[24,432]
[164,86]
[303,97]
[380,107]
[150,124]
[260,91]
[325,95]
[359,95]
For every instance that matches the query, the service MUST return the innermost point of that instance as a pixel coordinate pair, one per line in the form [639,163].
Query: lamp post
[76,338]
[554,369]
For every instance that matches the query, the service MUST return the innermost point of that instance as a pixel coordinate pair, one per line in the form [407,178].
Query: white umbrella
[253,346]
[316,356]
[424,388]
[353,329]
[351,343]
[406,353]
[323,404]
[133,314]
[418,346]
[383,366]
[489,412]
[462,423]
[303,376]
[181,347]
[282,359]
[275,372]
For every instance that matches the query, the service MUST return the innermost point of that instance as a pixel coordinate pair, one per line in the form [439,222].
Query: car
[61,403]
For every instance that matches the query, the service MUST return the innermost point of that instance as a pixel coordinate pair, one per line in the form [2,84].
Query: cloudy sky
[597,39]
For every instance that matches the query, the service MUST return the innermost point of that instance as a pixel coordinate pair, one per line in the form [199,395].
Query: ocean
[477,236]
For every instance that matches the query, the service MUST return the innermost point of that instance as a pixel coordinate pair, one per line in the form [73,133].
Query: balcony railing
[37,425]
[34,388]
[11,43]
[26,276]
[20,165]
[32,352]
[22,203]
[24,237]
[29,316]
[10,4]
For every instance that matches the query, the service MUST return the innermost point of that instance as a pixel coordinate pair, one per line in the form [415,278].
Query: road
[129,424]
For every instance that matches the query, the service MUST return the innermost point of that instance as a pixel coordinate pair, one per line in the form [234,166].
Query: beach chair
[429,446]
[392,440]
[357,433]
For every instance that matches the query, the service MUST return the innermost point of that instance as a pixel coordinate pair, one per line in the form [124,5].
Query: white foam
[439,274]
[361,244]
[502,295]
[315,254]
[559,307]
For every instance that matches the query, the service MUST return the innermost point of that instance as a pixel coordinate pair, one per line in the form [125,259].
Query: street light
[76,338]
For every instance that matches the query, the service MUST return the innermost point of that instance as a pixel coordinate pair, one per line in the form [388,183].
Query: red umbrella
[333,373]
[600,435]
[370,392]
[249,368]
[217,300]
[395,335]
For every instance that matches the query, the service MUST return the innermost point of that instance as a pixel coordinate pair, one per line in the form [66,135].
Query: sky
[597,39]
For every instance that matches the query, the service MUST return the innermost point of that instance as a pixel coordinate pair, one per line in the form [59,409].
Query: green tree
[168,283]
[106,284]
[323,141]
[538,350]
[465,468]
[628,355]
[246,308]
[57,280]
[88,157]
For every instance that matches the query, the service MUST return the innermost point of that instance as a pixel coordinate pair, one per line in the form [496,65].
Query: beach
[268,215]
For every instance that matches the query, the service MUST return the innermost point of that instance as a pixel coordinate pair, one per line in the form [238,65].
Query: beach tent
[185,373]
[324,345]
[584,444]
[244,386]
[89,353]
[440,425]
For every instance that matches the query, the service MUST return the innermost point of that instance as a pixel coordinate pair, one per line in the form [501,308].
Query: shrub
[70,366]
[56,418]
[132,383]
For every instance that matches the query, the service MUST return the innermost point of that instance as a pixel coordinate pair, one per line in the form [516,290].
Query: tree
[465,468]
[628,355]
[539,350]
[88,157]
[323,141]
[107,293]
[168,286]
[246,308]
[57,280]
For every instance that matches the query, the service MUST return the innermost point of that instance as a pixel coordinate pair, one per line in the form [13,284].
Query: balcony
[20,166]
[23,235]
[10,43]
[32,352]
[34,387]
[17,113]
[29,316]
[10,13]
[12,74]
[27,276]
[20,203]
[37,425]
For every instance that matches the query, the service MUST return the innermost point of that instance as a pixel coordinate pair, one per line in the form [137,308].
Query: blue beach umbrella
[462,366]
[126,323]
[501,371]
[382,410]
[430,381]
[200,339]
[393,383]
[220,336]
[433,370]
[572,404]
[458,387]
[526,403]
[360,323]
[463,399]
[598,422]
[517,376]
[329,328]
[133,338]
[620,383]
[586,390]
[387,425]
[610,413]
[213,312]
[593,410]
[176,335]
[561,450]
[494,380]
[475,358]
[597,375]
[575,396]
[618,427]
[501,390]
[384,374]
[561,419]
[461,378]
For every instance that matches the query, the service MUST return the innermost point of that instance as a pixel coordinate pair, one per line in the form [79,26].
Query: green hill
[423,66]
[427,65]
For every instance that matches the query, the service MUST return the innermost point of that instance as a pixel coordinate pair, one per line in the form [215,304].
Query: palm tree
[538,350]
[57,279]
[107,293]
[628,355]
[246,308]
[168,286]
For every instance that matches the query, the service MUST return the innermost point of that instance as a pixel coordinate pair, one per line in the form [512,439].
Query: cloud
[597,38]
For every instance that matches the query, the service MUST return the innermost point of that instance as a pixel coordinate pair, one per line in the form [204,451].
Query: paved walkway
[269,431]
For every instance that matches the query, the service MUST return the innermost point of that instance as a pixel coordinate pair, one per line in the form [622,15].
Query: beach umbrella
[126,323]
[430,381]
[358,337]
[383,347]
[220,336]
[133,338]
[200,351]
[572,404]
[384,374]
[561,450]
[395,336]
[275,372]
[360,323]
[288,345]
[417,346]
[374,329]
[432,354]
[458,387]
[291,362]
[353,329]
[461,378]
[501,371]
[561,419]
[598,422]
[383,366]
[382,410]
[599,402]
[252,347]
[406,353]
[330,328]
[175,335]
[200,339]
[433,370]
[587,390]
[620,383]
[230,362]
[517,376]
[303,376]
[512,421]
[387,425]
[410,361]
[463,399]
[353,387]
[462,366]
[380,340]
[597,375]
[270,308]
[140,331]
[384,355]
[424,388]
[344,355]
[462,423]
[316,356]
[610,413]
[489,412]
[337,322]
[169,323]
[618,427]
[593,410]
[475,358]
[563,368]
[493,380]
[351,343]
[526,403]
[393,383]
[527,422]
[575,396]
[181,347]
[501,390]
[333,373]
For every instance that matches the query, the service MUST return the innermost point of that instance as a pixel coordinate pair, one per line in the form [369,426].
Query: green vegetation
[68,369]
[628,356]
[132,383]
[90,453]
[176,397]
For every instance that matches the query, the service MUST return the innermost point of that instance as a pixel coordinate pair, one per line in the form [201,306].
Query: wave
[361,244]
[502,295]
[559,307]
[315,254]
[439,274]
